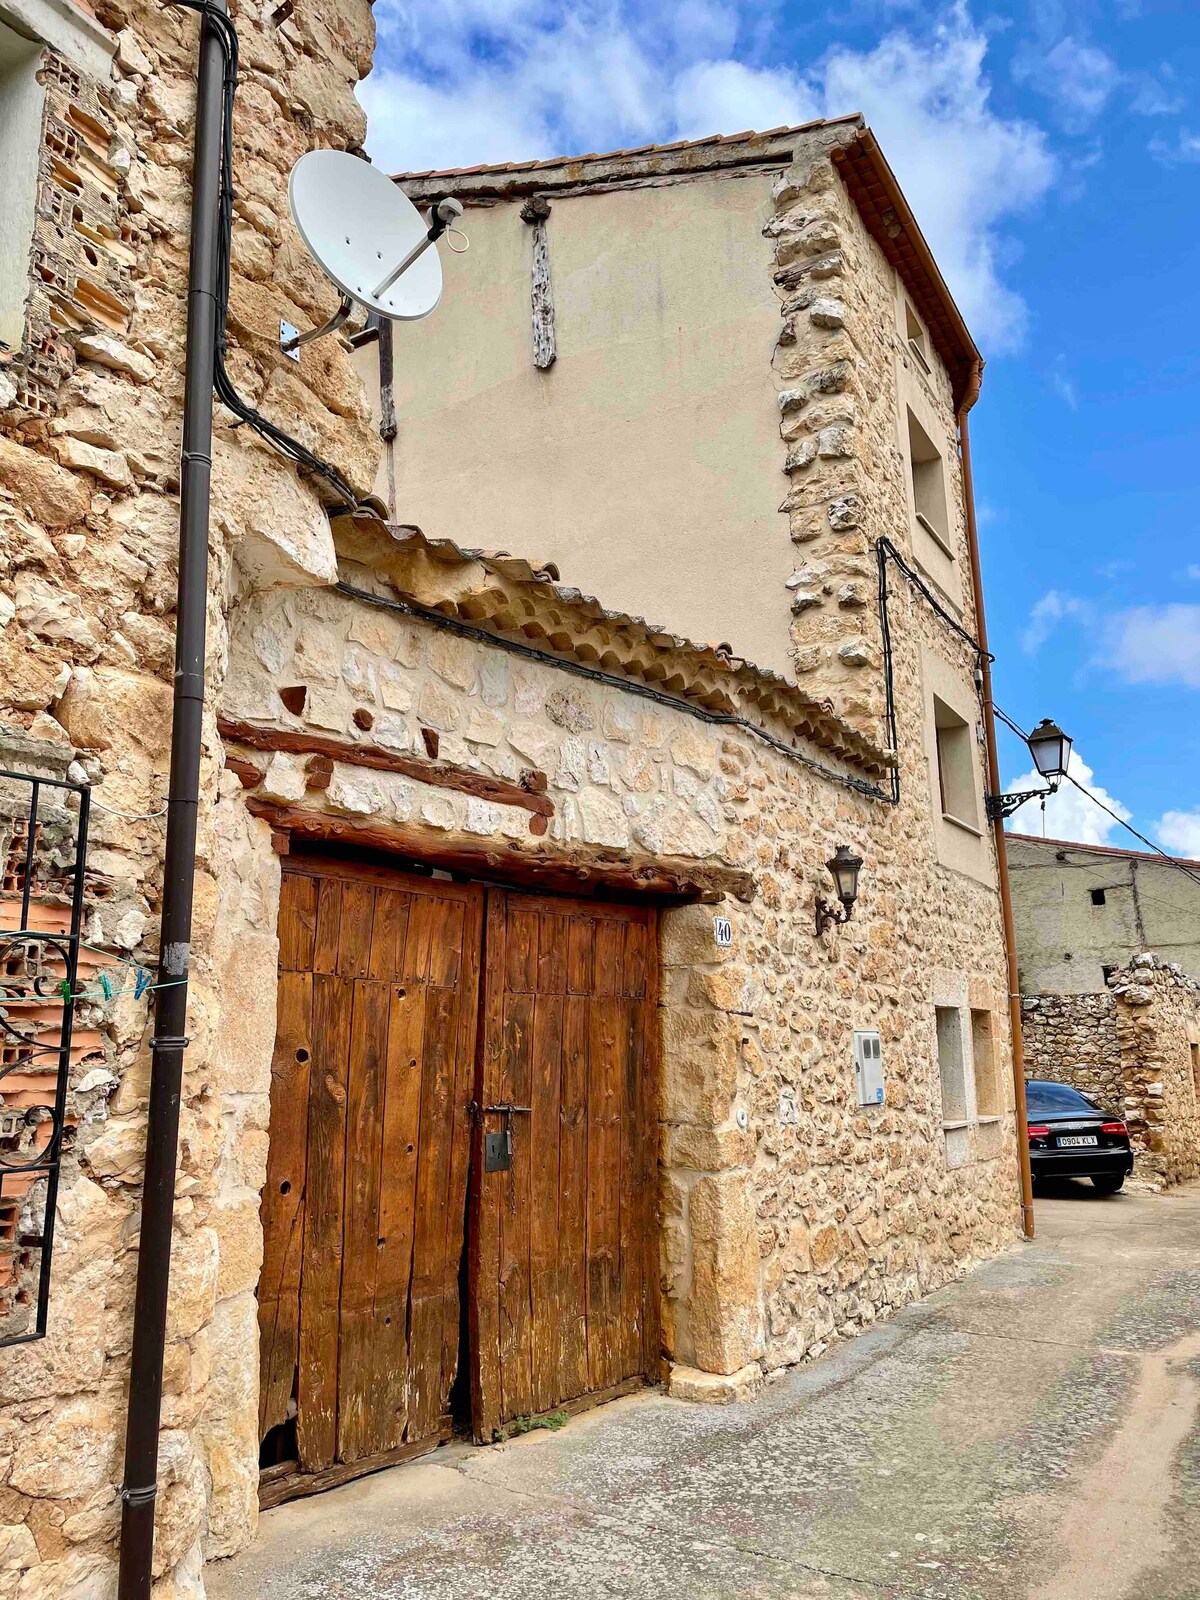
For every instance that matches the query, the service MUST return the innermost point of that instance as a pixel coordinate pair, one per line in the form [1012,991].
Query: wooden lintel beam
[573,869]
[441,774]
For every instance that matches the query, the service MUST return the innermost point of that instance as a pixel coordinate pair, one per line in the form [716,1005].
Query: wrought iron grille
[43,847]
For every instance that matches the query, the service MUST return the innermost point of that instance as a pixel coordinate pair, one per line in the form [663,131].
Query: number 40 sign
[722,932]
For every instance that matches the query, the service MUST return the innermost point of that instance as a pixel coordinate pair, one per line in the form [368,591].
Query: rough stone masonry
[790,1215]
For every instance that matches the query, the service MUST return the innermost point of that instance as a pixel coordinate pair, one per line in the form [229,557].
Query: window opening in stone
[951,1064]
[956,765]
[915,334]
[21,99]
[929,486]
[983,1057]
[1097,897]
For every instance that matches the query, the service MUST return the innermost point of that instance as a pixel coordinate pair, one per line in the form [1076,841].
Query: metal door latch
[498,1147]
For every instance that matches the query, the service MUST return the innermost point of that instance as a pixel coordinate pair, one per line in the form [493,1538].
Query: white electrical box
[868,1067]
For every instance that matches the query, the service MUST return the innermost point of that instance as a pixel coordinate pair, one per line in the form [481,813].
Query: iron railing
[43,847]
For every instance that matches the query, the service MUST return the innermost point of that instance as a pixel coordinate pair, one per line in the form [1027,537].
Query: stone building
[447,797]
[1081,910]
[1134,1048]
[1108,945]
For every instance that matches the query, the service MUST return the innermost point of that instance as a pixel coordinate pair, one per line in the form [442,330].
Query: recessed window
[951,1064]
[956,765]
[983,1056]
[918,341]
[21,98]
[928,485]
[1097,897]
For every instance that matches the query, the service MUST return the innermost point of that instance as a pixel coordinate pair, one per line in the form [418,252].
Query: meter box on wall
[868,1067]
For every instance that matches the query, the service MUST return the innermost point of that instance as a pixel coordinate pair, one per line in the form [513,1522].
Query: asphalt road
[1033,1431]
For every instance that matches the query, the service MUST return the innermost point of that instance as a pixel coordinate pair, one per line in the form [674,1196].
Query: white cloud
[1154,644]
[1045,615]
[1077,77]
[1182,150]
[494,80]
[1069,813]
[1179,831]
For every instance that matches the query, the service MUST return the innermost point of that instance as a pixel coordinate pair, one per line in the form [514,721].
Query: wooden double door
[409,1010]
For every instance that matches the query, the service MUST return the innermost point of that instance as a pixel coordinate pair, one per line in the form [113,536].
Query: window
[929,486]
[20,138]
[1097,897]
[983,1055]
[951,1065]
[1044,1099]
[1194,1049]
[915,334]
[956,765]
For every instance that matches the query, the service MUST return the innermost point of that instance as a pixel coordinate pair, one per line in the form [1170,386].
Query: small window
[983,1056]
[20,140]
[929,486]
[951,1064]
[1097,897]
[956,765]
[917,341]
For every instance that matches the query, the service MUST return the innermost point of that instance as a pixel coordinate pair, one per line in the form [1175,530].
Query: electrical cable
[226,391]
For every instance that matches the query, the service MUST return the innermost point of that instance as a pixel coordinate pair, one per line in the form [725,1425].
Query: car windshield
[1050,1099]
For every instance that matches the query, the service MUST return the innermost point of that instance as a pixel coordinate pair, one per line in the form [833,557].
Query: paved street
[1031,1432]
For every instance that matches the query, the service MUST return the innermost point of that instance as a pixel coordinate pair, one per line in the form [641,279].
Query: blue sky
[1052,155]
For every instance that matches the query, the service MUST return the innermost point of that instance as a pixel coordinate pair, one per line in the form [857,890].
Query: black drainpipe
[140,1485]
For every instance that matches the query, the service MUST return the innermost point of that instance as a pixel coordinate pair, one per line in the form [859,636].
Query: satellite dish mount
[368,238]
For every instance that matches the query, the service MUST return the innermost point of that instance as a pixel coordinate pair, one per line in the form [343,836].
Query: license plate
[1069,1140]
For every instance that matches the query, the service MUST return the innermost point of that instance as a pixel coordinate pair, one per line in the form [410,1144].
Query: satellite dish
[367,236]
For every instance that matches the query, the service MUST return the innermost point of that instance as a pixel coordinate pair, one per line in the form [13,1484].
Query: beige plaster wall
[1064,941]
[645,462]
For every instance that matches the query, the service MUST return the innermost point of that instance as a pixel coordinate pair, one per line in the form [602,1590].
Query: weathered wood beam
[572,869]
[441,774]
[535,211]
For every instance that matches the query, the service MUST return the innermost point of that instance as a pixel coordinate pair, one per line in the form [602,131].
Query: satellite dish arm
[442,215]
[334,323]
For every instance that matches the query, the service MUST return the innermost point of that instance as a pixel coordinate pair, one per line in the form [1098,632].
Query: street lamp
[1050,748]
[844,868]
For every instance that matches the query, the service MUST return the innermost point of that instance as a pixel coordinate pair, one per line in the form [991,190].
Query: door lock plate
[497,1152]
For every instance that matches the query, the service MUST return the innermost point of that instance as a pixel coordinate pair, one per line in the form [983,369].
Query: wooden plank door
[564,1246]
[364,1204]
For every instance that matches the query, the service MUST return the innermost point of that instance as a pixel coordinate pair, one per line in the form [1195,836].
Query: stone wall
[89,448]
[1158,1028]
[1072,1038]
[1135,1049]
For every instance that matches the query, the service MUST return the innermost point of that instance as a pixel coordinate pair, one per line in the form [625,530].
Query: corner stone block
[725,1308]
[688,937]
[714,1388]
[700,1065]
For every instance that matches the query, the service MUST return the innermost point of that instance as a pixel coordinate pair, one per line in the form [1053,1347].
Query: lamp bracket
[1000,806]
[829,914]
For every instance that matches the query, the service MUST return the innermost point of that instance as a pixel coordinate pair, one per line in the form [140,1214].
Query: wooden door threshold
[571,1408]
[288,1482]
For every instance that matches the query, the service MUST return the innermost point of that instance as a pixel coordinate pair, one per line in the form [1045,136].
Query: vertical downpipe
[140,1487]
[989,725]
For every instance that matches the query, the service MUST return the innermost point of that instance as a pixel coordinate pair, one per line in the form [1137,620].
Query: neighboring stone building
[1106,940]
[1135,1049]
[447,797]
[1082,909]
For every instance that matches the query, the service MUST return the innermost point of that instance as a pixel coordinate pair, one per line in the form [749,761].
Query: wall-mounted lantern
[1050,748]
[844,868]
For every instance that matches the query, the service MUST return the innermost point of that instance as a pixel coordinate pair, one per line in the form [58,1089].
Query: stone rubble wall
[1158,1024]
[1072,1038]
[838,353]
[1131,1049]
[89,448]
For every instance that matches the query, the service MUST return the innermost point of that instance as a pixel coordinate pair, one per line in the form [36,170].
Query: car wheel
[1112,1184]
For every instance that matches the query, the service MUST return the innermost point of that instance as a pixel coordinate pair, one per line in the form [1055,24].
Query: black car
[1071,1137]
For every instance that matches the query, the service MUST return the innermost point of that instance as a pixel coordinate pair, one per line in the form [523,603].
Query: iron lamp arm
[1003,805]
